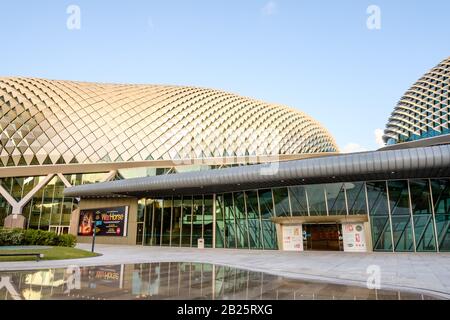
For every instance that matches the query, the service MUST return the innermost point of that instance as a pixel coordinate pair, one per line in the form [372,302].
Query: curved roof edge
[391,164]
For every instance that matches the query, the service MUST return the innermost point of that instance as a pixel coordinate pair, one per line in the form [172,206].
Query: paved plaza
[422,272]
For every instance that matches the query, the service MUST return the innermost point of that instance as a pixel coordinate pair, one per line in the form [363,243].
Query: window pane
[47,205]
[377,197]
[381,233]
[443,231]
[157,220]
[208,221]
[420,196]
[5,209]
[423,219]
[298,201]
[220,224]
[186,221]
[316,200]
[68,206]
[281,199]
[441,195]
[166,221]
[230,232]
[424,231]
[254,224]
[197,220]
[140,210]
[336,199]
[399,197]
[269,234]
[268,227]
[356,197]
[441,199]
[266,203]
[402,233]
[36,208]
[176,222]
[149,222]
[241,220]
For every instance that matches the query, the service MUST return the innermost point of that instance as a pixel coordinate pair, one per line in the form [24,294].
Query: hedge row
[30,237]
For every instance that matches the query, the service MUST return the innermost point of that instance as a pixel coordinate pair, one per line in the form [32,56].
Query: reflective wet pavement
[179,281]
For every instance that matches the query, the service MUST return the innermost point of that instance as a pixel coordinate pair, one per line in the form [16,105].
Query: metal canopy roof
[375,165]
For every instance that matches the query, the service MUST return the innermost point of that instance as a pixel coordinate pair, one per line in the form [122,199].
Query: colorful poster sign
[293,238]
[111,222]
[354,237]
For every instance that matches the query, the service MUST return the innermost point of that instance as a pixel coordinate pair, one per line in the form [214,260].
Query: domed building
[424,110]
[57,134]
[173,166]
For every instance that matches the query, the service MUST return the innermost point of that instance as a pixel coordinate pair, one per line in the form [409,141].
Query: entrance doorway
[322,237]
[59,230]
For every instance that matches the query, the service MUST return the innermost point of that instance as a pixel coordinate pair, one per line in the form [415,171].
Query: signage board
[111,222]
[292,238]
[354,237]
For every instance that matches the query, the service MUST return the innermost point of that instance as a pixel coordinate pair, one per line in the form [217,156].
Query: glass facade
[404,215]
[48,207]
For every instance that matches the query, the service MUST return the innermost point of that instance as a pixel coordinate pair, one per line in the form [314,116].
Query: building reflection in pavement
[180,281]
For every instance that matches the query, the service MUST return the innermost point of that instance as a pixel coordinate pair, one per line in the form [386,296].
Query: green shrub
[67,240]
[31,237]
[11,237]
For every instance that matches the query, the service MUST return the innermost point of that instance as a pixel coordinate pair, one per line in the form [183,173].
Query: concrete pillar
[74,219]
[15,221]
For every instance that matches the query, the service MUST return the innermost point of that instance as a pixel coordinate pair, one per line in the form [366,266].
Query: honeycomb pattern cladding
[60,122]
[424,110]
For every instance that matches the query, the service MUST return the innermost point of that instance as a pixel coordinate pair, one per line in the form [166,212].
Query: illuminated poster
[354,237]
[293,238]
[111,222]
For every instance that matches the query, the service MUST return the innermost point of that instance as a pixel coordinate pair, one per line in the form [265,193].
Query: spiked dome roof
[46,122]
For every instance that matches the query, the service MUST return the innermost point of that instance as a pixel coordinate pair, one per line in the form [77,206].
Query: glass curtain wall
[48,207]
[404,215]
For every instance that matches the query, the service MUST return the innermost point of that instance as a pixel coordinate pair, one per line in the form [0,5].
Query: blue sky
[317,56]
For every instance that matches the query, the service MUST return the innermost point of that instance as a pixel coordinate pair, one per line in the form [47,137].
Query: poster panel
[354,237]
[292,238]
[111,222]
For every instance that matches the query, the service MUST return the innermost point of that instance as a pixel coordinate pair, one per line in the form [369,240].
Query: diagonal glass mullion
[421,237]
[383,232]
[406,225]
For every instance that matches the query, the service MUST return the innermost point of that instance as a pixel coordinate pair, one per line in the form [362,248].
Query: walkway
[424,272]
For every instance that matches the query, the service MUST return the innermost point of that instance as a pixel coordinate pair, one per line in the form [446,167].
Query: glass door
[326,237]
[59,230]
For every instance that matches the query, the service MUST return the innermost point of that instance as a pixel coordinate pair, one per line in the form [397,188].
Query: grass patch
[54,253]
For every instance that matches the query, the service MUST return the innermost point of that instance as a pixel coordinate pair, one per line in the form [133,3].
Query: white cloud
[353,147]
[270,8]
[379,137]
